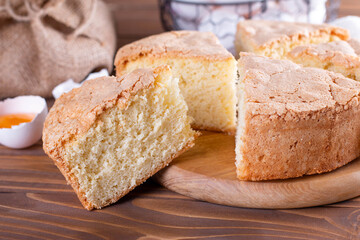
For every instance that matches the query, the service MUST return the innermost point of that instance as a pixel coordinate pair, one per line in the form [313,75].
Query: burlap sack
[45,42]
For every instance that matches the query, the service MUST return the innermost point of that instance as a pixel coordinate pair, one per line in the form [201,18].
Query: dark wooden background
[36,203]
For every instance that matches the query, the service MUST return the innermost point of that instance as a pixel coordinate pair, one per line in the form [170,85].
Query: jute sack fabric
[45,42]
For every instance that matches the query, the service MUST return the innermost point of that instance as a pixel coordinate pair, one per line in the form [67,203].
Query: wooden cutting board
[207,172]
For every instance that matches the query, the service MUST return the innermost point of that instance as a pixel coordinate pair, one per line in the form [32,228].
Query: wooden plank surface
[36,203]
[207,172]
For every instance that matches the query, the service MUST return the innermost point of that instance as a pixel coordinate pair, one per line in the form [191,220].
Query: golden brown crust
[313,148]
[277,87]
[308,125]
[338,53]
[355,44]
[182,44]
[265,33]
[75,112]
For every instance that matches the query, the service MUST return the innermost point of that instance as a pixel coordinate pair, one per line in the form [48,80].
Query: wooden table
[36,203]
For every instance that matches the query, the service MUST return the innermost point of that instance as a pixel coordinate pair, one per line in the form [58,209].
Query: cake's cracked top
[327,48]
[338,52]
[74,112]
[175,44]
[265,32]
[280,88]
[355,44]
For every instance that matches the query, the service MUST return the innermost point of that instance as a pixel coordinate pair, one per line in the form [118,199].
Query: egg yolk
[6,121]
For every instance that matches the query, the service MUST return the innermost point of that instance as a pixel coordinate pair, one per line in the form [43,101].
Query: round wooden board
[207,172]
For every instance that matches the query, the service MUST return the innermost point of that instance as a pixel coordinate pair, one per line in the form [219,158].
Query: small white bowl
[28,133]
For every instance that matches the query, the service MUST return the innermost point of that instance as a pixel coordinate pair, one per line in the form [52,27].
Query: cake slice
[294,121]
[337,56]
[207,73]
[111,134]
[276,38]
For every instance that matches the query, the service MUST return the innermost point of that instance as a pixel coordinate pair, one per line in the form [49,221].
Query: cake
[207,73]
[355,44]
[276,38]
[112,133]
[294,121]
[337,56]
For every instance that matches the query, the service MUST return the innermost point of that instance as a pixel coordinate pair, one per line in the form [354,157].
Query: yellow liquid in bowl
[6,121]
